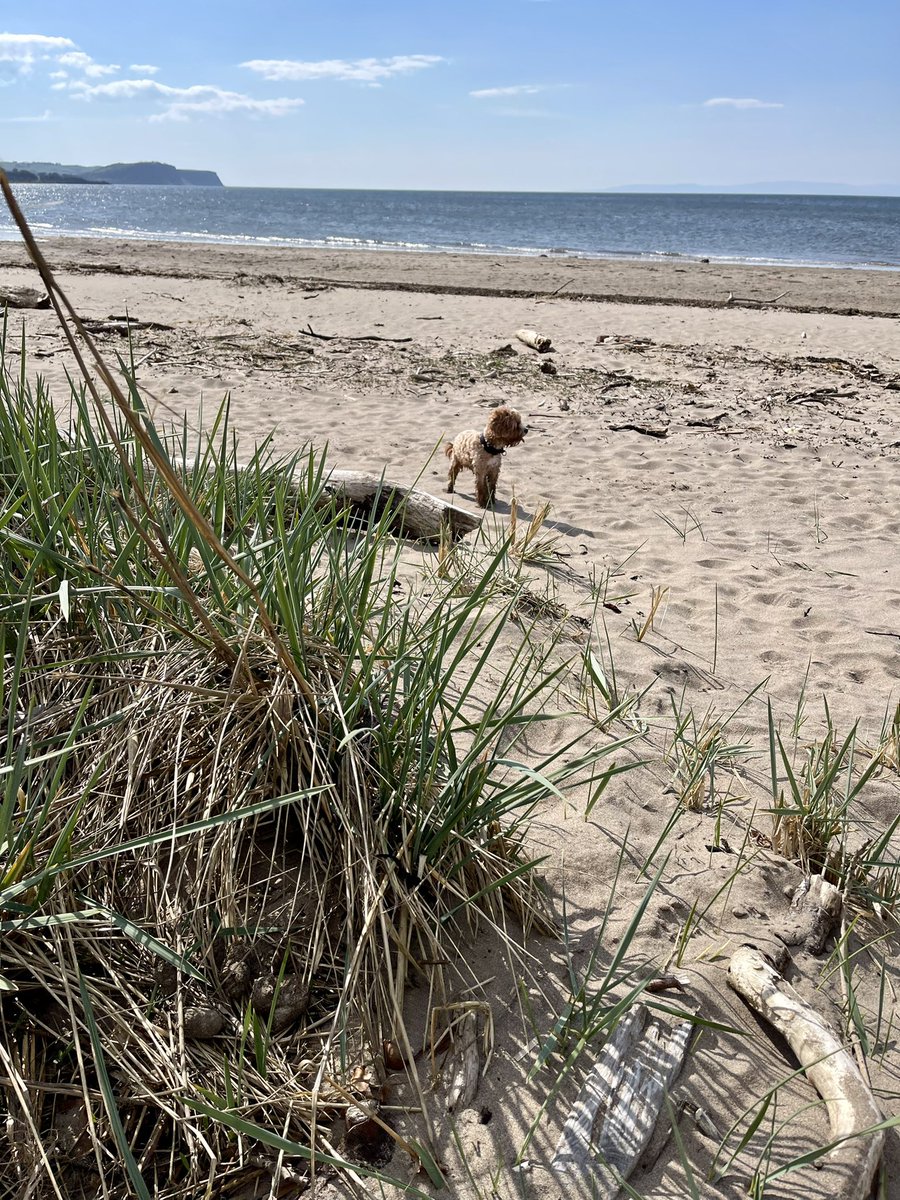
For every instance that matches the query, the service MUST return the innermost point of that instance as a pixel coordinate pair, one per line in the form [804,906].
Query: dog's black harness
[486,445]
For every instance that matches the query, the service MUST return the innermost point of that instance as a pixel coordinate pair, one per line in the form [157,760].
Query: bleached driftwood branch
[619,1105]
[732,299]
[828,1066]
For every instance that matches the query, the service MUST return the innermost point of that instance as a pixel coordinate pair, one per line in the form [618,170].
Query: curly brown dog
[482,452]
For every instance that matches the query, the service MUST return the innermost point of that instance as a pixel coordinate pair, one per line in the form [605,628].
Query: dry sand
[745,458]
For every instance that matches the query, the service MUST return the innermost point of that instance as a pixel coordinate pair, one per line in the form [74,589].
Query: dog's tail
[448,449]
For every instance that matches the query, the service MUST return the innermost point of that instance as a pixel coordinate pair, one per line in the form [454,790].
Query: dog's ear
[504,427]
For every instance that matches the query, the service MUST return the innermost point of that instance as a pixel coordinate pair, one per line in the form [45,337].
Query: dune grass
[249,778]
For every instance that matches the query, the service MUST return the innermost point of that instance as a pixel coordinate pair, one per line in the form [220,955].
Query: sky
[532,95]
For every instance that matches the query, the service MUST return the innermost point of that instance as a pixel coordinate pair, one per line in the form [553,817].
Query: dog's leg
[454,471]
[488,485]
[484,492]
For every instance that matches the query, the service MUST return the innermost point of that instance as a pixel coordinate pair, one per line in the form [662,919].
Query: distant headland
[139,173]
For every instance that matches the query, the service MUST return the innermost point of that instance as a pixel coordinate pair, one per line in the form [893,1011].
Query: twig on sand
[341,337]
[649,430]
[556,291]
[820,394]
[883,633]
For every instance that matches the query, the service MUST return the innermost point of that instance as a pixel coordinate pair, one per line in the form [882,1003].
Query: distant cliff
[18,175]
[142,172]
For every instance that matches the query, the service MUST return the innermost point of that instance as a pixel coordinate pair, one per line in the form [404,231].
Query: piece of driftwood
[464,1064]
[23,297]
[657,431]
[574,1150]
[706,422]
[828,1066]
[666,983]
[342,337]
[816,910]
[612,1122]
[732,299]
[121,325]
[418,514]
[535,340]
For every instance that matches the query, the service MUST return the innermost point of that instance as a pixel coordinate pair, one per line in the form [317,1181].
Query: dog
[482,452]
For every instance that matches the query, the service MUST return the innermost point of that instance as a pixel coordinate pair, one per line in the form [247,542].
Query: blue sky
[550,95]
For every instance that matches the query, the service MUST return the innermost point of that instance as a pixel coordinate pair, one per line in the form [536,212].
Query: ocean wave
[341,242]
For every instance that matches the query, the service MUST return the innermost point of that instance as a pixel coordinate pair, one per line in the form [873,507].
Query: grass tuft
[244,769]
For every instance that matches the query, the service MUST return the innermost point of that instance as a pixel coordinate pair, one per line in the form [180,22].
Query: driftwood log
[535,340]
[815,913]
[617,1110]
[418,514]
[828,1066]
[23,297]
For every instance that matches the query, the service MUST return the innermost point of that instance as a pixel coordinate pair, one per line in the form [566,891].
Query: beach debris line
[853,1114]
[537,341]
[617,1110]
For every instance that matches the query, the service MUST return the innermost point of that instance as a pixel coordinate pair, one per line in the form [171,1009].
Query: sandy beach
[723,479]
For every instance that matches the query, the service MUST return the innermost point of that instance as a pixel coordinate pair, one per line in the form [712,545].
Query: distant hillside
[18,175]
[142,172]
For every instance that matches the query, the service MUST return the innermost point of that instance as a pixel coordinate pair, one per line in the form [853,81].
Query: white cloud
[518,89]
[20,45]
[79,61]
[144,69]
[523,112]
[46,115]
[729,102]
[183,103]
[20,51]
[364,70]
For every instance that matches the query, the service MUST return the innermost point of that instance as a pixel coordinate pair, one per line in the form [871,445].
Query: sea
[819,231]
